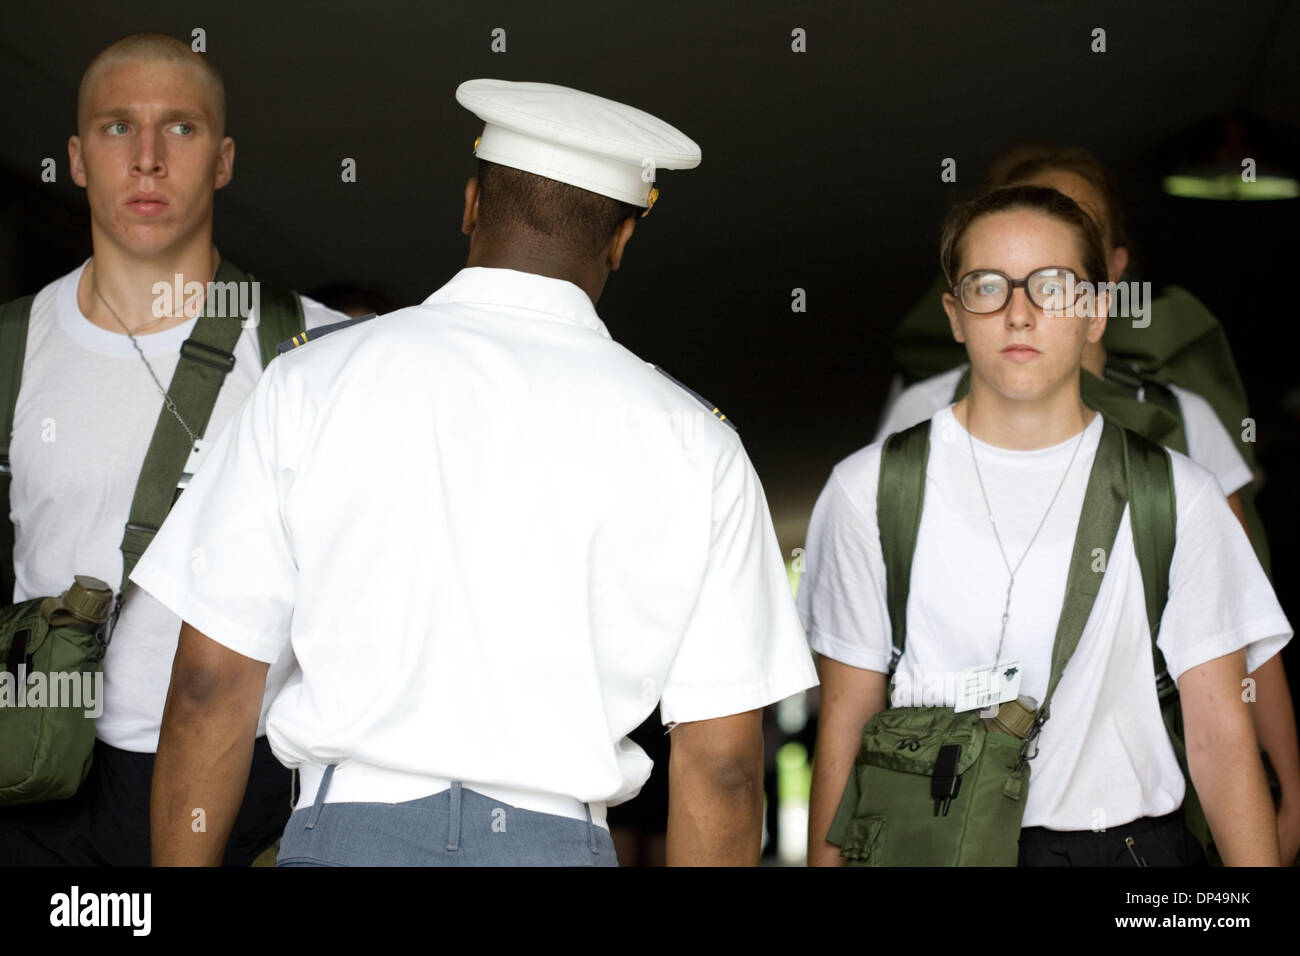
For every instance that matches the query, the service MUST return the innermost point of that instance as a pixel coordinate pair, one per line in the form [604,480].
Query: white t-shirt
[1105,756]
[85,416]
[1208,442]
[494,539]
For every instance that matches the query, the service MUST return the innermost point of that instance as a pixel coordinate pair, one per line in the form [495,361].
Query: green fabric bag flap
[48,725]
[892,741]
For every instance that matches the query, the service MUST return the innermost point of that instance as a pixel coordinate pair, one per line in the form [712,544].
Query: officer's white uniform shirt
[1105,757]
[85,415]
[1208,442]
[494,539]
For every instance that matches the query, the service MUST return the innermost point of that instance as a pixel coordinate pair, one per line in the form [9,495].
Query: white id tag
[981,687]
[197,454]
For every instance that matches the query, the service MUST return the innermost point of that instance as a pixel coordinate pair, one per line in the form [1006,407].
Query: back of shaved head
[154,47]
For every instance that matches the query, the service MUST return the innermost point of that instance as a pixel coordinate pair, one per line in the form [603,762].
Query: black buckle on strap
[208,355]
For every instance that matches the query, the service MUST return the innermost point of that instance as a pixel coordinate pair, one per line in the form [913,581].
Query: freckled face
[1019,351]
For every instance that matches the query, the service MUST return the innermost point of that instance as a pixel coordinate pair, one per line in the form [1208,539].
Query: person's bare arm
[1223,759]
[1274,717]
[205,750]
[1234,503]
[850,697]
[715,791]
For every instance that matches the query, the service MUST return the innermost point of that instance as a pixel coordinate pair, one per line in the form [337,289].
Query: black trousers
[1149,841]
[107,822]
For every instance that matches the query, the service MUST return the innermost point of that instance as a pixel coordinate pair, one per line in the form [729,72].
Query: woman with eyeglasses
[1181,343]
[1004,488]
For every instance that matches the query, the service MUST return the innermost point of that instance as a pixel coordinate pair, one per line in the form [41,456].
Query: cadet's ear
[469,219]
[614,255]
[1117,261]
[950,306]
[1096,326]
[225,162]
[74,161]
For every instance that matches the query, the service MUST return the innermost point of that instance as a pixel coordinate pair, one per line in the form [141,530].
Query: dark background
[821,171]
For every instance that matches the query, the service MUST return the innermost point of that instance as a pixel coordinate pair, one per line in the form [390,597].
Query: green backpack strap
[207,357]
[900,498]
[1099,520]
[279,315]
[14,318]
[1154,519]
[900,495]
[282,318]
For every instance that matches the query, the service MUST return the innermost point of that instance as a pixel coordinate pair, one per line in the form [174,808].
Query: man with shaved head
[104,350]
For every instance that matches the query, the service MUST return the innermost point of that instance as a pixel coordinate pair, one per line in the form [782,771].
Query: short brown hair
[154,46]
[1037,198]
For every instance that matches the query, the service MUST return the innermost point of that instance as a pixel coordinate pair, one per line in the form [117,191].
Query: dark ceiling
[820,171]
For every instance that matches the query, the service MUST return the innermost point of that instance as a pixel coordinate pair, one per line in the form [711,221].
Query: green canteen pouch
[50,680]
[887,815]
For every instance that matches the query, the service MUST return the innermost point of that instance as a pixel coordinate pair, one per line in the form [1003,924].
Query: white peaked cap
[576,138]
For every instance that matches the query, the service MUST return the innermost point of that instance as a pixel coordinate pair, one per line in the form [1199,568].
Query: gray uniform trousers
[456,827]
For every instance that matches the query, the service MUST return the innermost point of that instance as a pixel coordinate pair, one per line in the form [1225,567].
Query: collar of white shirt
[551,298]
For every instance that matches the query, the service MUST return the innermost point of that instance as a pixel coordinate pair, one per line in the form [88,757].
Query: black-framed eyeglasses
[1051,288]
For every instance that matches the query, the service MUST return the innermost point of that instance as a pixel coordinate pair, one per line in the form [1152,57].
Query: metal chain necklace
[1006,610]
[167,399]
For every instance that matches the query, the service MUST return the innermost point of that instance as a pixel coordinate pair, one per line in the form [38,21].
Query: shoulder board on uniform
[311,335]
[713,409]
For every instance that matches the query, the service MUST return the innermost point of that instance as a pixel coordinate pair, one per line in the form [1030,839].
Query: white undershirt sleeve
[842,597]
[1209,444]
[1219,597]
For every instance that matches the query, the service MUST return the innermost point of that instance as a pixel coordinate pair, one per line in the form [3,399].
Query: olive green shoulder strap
[899,501]
[281,319]
[14,318]
[207,357]
[1153,517]
[1099,519]
[900,495]
[279,311]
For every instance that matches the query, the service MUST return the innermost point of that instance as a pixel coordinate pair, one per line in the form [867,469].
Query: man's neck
[523,258]
[1022,425]
[117,289]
